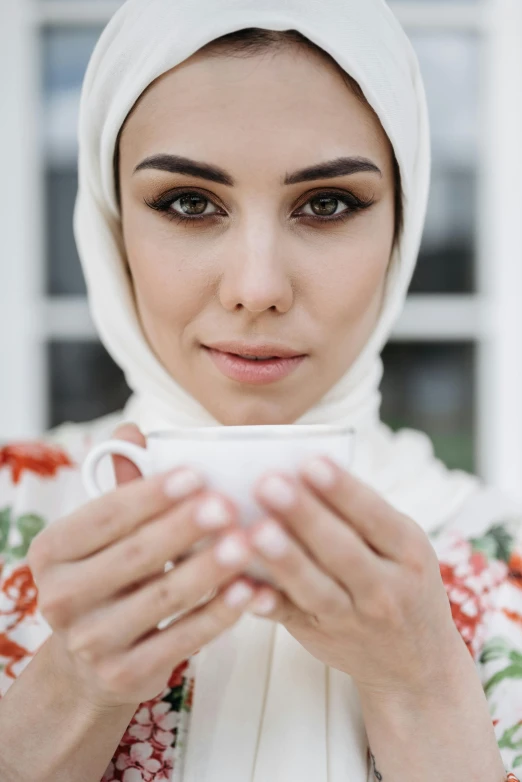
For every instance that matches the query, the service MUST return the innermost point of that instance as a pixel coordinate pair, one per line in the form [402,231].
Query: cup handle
[138,455]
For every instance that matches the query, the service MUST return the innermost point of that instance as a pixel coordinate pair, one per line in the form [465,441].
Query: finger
[301,580]
[387,530]
[328,539]
[127,621]
[106,519]
[125,470]
[272,604]
[179,641]
[73,588]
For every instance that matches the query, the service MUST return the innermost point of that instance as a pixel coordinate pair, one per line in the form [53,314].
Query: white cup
[230,458]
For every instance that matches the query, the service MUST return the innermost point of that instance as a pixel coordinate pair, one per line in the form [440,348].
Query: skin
[258,273]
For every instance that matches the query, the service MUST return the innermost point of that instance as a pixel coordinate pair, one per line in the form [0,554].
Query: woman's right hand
[103,589]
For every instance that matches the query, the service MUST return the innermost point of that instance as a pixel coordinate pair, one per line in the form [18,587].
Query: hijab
[258,692]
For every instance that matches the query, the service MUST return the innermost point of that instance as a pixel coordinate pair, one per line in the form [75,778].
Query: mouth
[254,364]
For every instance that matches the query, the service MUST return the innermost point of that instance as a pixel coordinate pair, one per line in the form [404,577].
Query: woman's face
[246,249]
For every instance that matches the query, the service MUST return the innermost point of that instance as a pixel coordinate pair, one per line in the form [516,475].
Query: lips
[264,350]
[255,371]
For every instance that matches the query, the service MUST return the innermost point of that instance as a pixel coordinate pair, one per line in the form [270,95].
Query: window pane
[430,387]
[65,53]
[450,68]
[85,383]
[64,274]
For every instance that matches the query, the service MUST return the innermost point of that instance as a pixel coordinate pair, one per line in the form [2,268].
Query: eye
[184,206]
[328,207]
[324,206]
[192,205]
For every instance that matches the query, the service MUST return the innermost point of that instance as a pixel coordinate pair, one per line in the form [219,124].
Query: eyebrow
[175,164]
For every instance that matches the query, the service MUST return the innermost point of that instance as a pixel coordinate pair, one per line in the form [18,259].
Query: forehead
[265,107]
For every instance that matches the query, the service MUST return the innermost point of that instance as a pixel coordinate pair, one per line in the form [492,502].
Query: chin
[254,412]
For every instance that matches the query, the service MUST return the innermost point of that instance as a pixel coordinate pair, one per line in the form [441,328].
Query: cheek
[349,288]
[169,280]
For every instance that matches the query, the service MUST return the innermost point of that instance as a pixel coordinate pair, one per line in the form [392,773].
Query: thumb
[125,470]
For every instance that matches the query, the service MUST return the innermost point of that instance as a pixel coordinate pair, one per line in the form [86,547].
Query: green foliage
[5,526]
[497,648]
[497,543]
[508,740]
[28,525]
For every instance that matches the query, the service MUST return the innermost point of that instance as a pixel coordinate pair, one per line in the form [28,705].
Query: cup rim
[260,431]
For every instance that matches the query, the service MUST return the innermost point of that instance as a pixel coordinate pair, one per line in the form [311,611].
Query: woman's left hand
[359,583]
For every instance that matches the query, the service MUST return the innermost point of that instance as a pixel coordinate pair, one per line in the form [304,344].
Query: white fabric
[264,708]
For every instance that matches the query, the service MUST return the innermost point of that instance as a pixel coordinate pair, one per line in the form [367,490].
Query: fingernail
[319,472]
[263,604]
[181,483]
[278,492]
[271,540]
[231,551]
[213,513]
[238,593]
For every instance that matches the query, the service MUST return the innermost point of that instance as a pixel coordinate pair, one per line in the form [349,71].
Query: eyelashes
[194,198]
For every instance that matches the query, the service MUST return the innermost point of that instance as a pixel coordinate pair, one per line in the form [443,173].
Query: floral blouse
[480,565]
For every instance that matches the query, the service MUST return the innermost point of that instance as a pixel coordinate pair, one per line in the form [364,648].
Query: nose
[256,277]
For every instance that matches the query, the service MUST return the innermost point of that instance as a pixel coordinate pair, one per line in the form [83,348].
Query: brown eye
[192,204]
[324,206]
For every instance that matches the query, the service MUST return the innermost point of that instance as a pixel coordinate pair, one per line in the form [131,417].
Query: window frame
[491,318]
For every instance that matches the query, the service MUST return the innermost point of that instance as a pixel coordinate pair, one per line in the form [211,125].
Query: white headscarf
[265,709]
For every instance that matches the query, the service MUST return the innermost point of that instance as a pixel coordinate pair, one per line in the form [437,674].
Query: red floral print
[39,458]
[138,763]
[13,652]
[514,616]
[20,588]
[465,608]
[515,568]
[155,723]
[176,677]
[190,695]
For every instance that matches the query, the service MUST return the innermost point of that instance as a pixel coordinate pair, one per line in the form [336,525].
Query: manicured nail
[213,513]
[263,604]
[238,594]
[319,472]
[231,551]
[278,492]
[270,540]
[181,483]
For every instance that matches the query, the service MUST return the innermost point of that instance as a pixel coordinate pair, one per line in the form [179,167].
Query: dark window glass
[65,53]
[65,276]
[430,387]
[450,65]
[85,383]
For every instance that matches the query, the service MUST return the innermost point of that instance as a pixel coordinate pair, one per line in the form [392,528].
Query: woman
[249,190]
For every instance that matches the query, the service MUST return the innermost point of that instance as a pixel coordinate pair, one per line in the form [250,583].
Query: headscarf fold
[264,709]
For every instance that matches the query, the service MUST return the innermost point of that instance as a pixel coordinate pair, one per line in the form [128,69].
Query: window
[449,367]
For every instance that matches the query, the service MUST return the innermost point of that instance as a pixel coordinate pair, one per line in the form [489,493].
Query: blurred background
[453,365]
